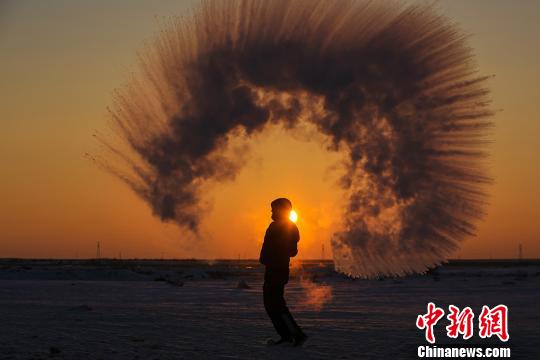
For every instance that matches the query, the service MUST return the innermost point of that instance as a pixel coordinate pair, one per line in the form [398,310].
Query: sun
[293,216]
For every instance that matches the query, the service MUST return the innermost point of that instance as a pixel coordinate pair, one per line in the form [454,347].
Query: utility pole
[322,252]
[520,252]
[98,251]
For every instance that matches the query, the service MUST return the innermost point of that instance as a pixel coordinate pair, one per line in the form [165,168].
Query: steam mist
[393,87]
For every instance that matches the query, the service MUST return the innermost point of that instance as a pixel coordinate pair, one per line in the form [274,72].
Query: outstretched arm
[263,257]
[293,245]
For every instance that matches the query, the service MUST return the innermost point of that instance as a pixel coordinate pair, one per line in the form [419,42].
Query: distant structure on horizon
[98,251]
[520,252]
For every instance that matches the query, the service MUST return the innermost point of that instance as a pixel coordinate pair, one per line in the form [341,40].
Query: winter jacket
[280,244]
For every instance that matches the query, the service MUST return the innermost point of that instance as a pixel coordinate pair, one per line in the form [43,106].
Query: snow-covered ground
[196,310]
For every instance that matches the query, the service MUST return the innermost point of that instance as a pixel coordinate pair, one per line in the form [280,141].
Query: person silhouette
[280,244]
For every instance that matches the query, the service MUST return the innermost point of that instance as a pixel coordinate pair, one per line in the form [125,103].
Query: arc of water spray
[395,87]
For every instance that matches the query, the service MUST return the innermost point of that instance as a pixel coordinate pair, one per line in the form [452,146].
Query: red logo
[429,320]
[494,322]
[460,322]
[490,322]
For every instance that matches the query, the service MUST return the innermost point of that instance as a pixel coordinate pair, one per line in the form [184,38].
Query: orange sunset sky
[60,61]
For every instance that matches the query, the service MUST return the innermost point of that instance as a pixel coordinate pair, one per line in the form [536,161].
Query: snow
[196,310]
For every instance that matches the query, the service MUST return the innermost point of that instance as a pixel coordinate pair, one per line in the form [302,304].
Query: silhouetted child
[280,243]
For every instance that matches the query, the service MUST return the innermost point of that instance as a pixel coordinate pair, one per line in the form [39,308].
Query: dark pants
[276,308]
